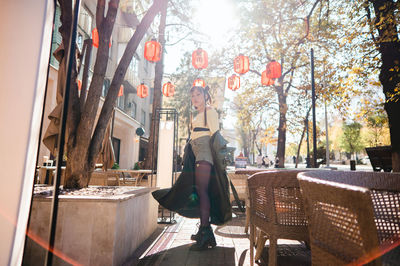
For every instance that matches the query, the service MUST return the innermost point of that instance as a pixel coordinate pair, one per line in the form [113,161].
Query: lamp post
[308,138]
[254,131]
[327,137]
[308,144]
[326,127]
[314,163]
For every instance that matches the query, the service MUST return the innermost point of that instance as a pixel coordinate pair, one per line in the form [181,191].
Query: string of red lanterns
[168,89]
[199,83]
[241,64]
[265,80]
[199,59]
[234,82]
[152,51]
[142,91]
[274,70]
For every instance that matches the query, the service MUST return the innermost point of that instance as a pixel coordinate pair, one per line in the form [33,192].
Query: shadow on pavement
[289,255]
[181,255]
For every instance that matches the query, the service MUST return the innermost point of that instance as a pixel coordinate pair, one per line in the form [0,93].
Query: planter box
[94,230]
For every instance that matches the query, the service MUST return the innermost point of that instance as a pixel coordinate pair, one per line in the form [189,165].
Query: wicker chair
[276,209]
[354,216]
[244,174]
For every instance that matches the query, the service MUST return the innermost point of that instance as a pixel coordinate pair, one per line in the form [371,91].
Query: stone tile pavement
[170,246]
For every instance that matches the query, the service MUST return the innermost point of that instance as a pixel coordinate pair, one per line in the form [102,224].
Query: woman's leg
[203,174]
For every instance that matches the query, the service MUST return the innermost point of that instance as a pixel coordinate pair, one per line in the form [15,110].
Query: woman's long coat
[180,197]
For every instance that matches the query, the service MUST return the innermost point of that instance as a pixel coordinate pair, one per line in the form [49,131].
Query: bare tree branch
[101,5]
[255,72]
[85,74]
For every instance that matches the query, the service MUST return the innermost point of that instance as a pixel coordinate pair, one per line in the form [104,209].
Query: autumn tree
[84,134]
[372,39]
[252,106]
[377,126]
[285,31]
[351,141]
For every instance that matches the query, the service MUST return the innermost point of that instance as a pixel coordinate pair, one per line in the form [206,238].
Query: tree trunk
[389,48]
[84,145]
[302,136]
[151,156]
[280,153]
[299,147]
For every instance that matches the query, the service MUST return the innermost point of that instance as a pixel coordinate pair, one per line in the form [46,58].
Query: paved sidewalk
[173,243]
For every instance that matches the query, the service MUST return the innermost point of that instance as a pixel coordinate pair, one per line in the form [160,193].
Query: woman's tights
[202,174]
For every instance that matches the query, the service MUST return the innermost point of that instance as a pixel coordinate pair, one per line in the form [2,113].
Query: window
[133,109]
[143,118]
[151,95]
[79,41]
[146,66]
[106,86]
[116,146]
[121,102]
[56,41]
[150,118]
[85,21]
[133,64]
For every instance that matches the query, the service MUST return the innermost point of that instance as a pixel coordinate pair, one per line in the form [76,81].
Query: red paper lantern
[152,51]
[265,80]
[142,91]
[200,59]
[241,64]
[274,70]
[199,83]
[95,38]
[121,91]
[79,84]
[168,89]
[234,82]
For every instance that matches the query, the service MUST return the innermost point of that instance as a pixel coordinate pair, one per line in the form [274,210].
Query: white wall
[125,130]
[25,30]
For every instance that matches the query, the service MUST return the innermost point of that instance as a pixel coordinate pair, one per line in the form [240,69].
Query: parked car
[240,162]
[365,160]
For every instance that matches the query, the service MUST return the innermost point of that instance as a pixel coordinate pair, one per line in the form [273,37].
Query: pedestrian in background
[259,160]
[266,161]
[276,162]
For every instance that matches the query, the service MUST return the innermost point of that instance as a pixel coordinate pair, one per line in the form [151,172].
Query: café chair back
[276,209]
[354,217]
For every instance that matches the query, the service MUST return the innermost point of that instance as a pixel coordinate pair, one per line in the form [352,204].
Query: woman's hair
[207,99]
[204,91]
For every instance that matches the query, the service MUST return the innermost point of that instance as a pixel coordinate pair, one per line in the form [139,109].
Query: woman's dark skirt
[182,196]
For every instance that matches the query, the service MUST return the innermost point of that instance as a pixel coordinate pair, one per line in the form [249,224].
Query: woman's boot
[206,239]
[197,235]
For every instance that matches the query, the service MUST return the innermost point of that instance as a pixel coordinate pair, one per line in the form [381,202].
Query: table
[135,176]
[47,173]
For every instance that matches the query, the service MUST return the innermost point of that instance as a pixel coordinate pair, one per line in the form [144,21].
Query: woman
[203,126]
[201,191]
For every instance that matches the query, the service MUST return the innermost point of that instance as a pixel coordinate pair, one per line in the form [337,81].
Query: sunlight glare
[216,19]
